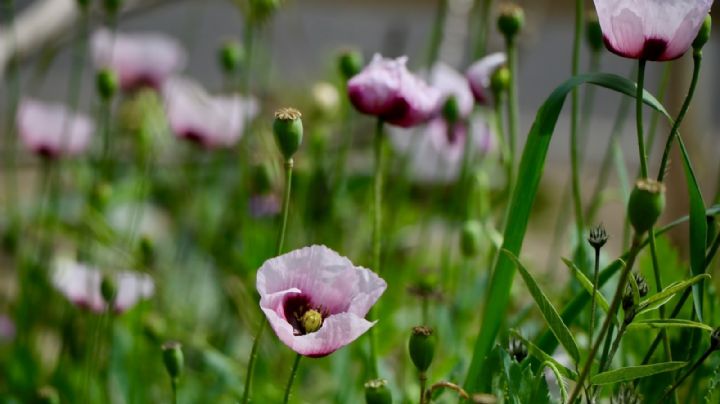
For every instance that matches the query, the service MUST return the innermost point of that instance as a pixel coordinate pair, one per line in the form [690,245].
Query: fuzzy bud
[646,204]
[511,21]
[422,347]
[230,55]
[703,35]
[593,33]
[108,289]
[517,350]
[106,82]
[350,62]
[377,392]
[173,359]
[288,130]
[500,81]
[470,236]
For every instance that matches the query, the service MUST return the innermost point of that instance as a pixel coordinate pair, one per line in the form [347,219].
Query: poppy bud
[470,238]
[593,33]
[173,359]
[288,130]
[451,110]
[500,81]
[598,237]
[511,21]
[350,62]
[377,392]
[422,347]
[230,55]
[108,289]
[107,83]
[703,35]
[646,204]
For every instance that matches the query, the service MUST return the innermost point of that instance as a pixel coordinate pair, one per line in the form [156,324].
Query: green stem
[697,60]
[639,118]
[483,31]
[513,107]
[437,33]
[422,377]
[281,240]
[293,372]
[659,288]
[688,373]
[173,384]
[608,318]
[662,91]
[574,118]
[596,281]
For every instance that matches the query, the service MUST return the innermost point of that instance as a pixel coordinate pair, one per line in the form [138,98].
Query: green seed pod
[511,21]
[173,359]
[108,289]
[230,55]
[470,236]
[288,130]
[703,35]
[350,62]
[422,347]
[451,110]
[593,33]
[646,204]
[500,81]
[106,83]
[377,392]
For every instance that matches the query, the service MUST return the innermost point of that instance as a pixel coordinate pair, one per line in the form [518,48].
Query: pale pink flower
[211,121]
[651,29]
[386,89]
[81,285]
[52,130]
[451,83]
[317,280]
[139,59]
[480,73]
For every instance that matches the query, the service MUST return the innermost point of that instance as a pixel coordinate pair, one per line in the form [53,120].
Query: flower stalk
[293,372]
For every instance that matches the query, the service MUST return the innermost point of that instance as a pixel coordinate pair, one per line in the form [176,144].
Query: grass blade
[634,372]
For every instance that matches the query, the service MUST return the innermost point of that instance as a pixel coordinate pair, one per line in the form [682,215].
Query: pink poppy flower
[480,73]
[451,83]
[210,121]
[386,89]
[316,300]
[52,130]
[139,59]
[651,29]
[438,151]
[81,285]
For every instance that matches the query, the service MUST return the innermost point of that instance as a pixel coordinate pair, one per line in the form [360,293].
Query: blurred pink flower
[386,89]
[264,205]
[139,59]
[317,280]
[7,328]
[81,285]
[451,83]
[211,121]
[480,73]
[52,130]
[651,29]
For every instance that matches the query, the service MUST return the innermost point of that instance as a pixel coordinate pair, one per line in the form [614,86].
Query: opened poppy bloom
[52,130]
[210,121]
[81,284]
[316,300]
[386,89]
[139,59]
[651,29]
[480,73]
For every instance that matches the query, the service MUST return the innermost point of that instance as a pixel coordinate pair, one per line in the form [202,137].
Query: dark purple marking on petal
[294,307]
[398,112]
[194,137]
[46,152]
[654,48]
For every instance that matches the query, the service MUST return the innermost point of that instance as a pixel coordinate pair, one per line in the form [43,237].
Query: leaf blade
[634,372]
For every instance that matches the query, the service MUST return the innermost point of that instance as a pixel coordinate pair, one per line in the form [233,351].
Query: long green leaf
[658,299]
[544,357]
[528,180]
[634,372]
[588,286]
[661,323]
[698,228]
[551,316]
[547,341]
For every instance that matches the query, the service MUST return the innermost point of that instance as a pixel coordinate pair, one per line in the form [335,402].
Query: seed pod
[350,62]
[646,204]
[500,81]
[703,35]
[173,359]
[593,33]
[422,347]
[470,238]
[230,55]
[511,21]
[288,130]
[106,82]
[108,289]
[377,392]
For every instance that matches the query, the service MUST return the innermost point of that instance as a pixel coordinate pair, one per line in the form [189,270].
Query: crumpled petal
[51,130]
[654,30]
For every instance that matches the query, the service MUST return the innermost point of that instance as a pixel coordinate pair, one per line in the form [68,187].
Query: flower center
[302,315]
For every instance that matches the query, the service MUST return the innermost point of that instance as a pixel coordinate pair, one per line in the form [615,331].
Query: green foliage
[634,372]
